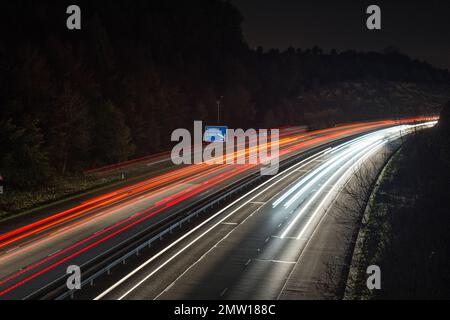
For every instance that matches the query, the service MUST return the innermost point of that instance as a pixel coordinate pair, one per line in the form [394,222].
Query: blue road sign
[215,134]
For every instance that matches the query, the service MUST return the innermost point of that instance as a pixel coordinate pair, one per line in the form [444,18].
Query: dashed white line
[286,174]
[276,261]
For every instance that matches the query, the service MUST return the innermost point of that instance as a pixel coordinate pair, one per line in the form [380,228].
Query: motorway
[249,249]
[245,250]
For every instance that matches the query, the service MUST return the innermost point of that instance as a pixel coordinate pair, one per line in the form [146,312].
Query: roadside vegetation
[13,202]
[115,90]
[406,227]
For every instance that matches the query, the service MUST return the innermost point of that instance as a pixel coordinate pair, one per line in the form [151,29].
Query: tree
[112,139]
[24,163]
[69,137]
[269,119]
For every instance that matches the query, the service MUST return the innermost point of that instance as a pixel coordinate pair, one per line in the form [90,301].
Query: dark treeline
[406,222]
[138,69]
[415,257]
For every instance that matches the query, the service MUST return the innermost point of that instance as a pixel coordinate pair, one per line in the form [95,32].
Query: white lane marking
[223,292]
[316,194]
[341,179]
[428,124]
[257,202]
[361,144]
[201,258]
[278,237]
[11,250]
[325,168]
[287,173]
[310,176]
[375,147]
[276,261]
[301,254]
[51,254]
[346,173]
[193,230]
[214,247]
[156,162]
[230,223]
[170,286]
[209,250]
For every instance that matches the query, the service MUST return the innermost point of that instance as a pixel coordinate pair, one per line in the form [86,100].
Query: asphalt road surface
[256,242]
[251,248]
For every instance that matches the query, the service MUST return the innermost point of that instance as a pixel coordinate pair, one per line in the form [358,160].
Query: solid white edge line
[317,155]
[344,176]
[347,172]
[346,157]
[301,164]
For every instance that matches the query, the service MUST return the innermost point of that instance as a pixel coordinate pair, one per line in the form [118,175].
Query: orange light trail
[171,177]
[289,144]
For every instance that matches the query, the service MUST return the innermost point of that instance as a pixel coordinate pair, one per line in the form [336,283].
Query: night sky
[420,29]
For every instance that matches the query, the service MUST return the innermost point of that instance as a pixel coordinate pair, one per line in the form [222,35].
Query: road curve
[249,249]
[37,254]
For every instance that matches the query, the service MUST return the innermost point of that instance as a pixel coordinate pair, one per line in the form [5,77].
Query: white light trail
[338,183]
[376,143]
[362,146]
[289,172]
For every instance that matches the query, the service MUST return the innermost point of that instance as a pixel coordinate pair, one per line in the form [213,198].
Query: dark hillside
[116,89]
